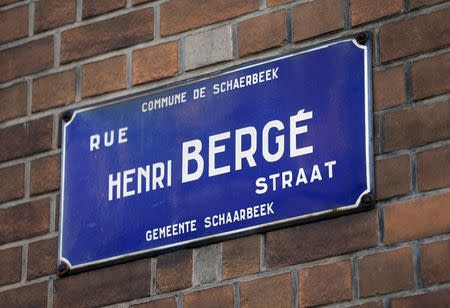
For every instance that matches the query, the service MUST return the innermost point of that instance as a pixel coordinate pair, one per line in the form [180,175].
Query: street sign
[264,144]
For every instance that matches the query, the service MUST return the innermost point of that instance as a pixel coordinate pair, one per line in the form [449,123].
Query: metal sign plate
[263,144]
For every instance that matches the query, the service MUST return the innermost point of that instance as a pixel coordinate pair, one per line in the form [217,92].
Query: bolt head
[67,116]
[62,268]
[362,37]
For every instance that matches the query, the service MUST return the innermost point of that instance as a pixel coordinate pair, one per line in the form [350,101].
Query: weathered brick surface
[169,302]
[50,14]
[34,295]
[262,32]
[42,258]
[155,62]
[174,271]
[182,15]
[209,47]
[321,239]
[58,198]
[26,59]
[435,262]
[97,7]
[5,2]
[10,265]
[409,220]
[137,2]
[386,272]
[25,139]
[12,184]
[417,125]
[433,168]
[111,34]
[431,76]
[317,17]
[241,256]
[415,35]
[325,284]
[214,297]
[273,291]
[370,305]
[207,267]
[413,4]
[104,76]
[24,220]
[392,176]
[13,102]
[389,87]
[14,24]
[436,299]
[376,134]
[277,2]
[105,286]
[53,91]
[363,11]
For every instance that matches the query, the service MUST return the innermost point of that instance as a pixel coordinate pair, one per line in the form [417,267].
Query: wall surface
[60,54]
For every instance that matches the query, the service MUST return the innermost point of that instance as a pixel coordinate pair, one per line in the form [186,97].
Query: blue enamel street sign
[263,144]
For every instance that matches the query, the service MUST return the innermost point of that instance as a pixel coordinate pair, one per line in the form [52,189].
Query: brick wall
[61,54]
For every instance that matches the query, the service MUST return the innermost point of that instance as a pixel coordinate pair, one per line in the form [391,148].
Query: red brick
[14,24]
[413,4]
[42,258]
[182,15]
[97,7]
[363,11]
[417,125]
[433,168]
[417,218]
[436,299]
[241,257]
[105,286]
[376,134]
[435,262]
[389,87]
[325,284]
[415,35]
[273,291]
[137,2]
[168,302]
[34,295]
[317,17]
[24,221]
[54,90]
[12,186]
[214,297]
[50,14]
[25,139]
[262,32]
[322,239]
[431,76]
[174,271]
[277,2]
[10,265]
[392,176]
[13,102]
[4,2]
[58,198]
[103,36]
[386,272]
[370,305]
[26,59]
[104,76]
[155,62]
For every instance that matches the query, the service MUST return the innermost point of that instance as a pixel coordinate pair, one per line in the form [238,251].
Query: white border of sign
[369,159]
